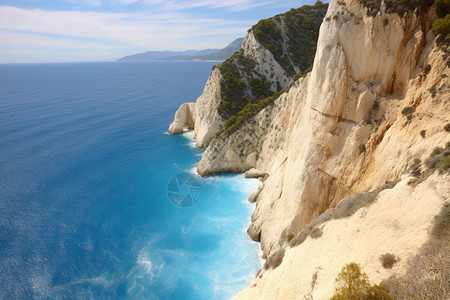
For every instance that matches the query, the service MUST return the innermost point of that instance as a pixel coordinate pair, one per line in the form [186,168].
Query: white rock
[184,118]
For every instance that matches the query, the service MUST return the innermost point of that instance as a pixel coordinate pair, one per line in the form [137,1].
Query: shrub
[427,69]
[408,110]
[423,133]
[290,237]
[431,162]
[250,110]
[442,25]
[447,127]
[436,151]
[388,260]
[443,164]
[416,164]
[354,284]
[432,90]
[439,160]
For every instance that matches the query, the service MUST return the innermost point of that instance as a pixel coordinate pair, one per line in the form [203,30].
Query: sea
[97,201]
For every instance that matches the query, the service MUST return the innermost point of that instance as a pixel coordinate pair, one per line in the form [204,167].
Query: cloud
[233,5]
[87,2]
[143,25]
[127,32]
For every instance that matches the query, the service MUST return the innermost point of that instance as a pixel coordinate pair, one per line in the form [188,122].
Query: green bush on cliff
[232,85]
[260,88]
[250,110]
[442,25]
[354,284]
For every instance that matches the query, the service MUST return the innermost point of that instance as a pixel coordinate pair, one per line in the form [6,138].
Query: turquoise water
[85,169]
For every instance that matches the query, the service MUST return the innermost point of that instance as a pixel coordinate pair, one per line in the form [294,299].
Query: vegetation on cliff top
[291,38]
[442,23]
[397,6]
[301,28]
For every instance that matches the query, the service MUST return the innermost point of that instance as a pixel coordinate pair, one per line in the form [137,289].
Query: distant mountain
[207,54]
[225,52]
[159,55]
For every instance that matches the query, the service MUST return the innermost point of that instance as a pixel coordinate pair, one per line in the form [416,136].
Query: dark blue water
[84,170]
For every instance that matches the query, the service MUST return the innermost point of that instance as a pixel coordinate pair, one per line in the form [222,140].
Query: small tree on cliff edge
[354,285]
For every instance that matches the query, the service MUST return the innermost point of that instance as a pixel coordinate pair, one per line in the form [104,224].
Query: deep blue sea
[87,183]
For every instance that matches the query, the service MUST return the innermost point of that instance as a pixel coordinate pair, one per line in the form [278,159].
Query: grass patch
[428,274]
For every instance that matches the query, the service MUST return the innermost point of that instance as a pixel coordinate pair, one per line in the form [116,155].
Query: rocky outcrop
[184,118]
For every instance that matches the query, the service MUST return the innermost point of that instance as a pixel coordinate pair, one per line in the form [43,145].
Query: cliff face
[376,99]
[340,130]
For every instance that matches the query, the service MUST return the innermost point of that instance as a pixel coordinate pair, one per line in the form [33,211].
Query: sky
[106,30]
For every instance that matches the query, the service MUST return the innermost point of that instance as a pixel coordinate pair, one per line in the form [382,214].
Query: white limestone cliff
[338,132]
[340,124]
[208,120]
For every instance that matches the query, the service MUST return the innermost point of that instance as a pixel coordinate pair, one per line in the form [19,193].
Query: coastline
[242,250]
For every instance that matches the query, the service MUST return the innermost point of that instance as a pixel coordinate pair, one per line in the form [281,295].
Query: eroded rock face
[184,118]
[339,130]
[398,222]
